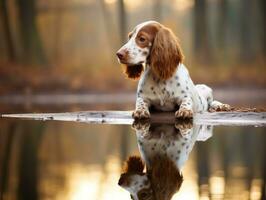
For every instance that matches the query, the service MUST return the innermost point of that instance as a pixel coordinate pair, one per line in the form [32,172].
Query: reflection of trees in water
[24,138]
[236,157]
[235,154]
[8,139]
[28,161]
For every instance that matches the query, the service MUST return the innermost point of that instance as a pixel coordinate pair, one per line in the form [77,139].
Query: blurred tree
[263,28]
[58,11]
[246,20]
[32,49]
[7,31]
[201,35]
[123,21]
[203,167]
[5,167]
[108,26]
[28,161]
[222,24]
[157,10]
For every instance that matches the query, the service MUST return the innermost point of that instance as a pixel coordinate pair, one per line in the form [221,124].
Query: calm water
[76,161]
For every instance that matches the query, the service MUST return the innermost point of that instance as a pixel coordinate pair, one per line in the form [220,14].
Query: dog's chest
[163,94]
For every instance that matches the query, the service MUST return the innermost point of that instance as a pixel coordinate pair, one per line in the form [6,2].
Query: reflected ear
[133,71]
[166,54]
[166,179]
[133,164]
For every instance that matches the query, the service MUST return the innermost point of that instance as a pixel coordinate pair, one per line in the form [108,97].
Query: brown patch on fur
[148,32]
[134,164]
[165,178]
[166,54]
[163,174]
[133,71]
[130,34]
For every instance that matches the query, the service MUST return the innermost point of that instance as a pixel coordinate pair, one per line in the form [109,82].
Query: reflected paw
[184,125]
[141,114]
[183,113]
[142,125]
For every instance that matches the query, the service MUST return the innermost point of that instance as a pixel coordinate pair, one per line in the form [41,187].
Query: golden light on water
[99,182]
[217,185]
[255,191]
[189,188]
[110,189]
[204,192]
[82,183]
[93,182]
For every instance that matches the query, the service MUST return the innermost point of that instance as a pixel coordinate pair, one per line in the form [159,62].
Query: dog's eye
[142,39]
[144,195]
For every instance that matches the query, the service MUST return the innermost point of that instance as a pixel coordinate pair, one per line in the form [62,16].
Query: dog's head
[160,182]
[154,44]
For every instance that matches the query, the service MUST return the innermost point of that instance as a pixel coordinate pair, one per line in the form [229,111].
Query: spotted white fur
[165,95]
[166,142]
[137,183]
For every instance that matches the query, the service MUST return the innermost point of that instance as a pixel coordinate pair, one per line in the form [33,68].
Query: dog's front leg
[142,109]
[185,109]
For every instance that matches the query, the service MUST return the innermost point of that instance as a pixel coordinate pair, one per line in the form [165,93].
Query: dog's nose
[120,55]
[123,180]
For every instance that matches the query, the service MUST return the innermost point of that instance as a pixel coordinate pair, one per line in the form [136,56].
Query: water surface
[73,160]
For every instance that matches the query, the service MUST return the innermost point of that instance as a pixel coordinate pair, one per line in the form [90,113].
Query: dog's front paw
[141,114]
[184,113]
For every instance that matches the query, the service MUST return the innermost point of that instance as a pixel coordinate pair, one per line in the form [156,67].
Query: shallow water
[73,160]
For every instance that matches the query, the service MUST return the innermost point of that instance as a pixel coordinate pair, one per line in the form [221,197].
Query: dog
[164,149]
[153,54]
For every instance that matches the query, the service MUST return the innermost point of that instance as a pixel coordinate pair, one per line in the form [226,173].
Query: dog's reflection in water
[164,149]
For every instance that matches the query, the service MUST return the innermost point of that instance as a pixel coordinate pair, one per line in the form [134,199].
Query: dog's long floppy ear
[134,164]
[133,71]
[166,53]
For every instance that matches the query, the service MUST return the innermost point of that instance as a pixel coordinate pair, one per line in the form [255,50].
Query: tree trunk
[263,28]
[58,30]
[33,52]
[157,10]
[201,34]
[122,22]
[107,17]
[222,24]
[28,161]
[7,31]
[6,160]
[246,53]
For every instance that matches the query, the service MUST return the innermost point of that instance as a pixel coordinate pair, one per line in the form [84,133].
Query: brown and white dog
[164,149]
[154,55]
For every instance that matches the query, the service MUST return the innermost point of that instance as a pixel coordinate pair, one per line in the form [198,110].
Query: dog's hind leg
[213,105]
